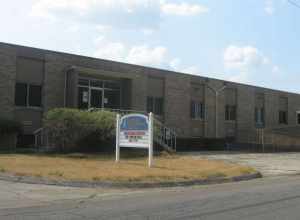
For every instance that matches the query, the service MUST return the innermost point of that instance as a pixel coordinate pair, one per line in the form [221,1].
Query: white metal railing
[41,138]
[165,136]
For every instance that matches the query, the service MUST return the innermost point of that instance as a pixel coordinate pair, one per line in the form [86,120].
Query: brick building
[32,81]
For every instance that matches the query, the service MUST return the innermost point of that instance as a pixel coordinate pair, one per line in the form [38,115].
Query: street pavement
[267,198]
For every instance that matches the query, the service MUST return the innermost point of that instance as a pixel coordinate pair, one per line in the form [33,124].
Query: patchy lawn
[83,167]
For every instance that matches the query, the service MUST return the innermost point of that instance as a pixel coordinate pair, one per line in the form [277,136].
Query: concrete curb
[106,184]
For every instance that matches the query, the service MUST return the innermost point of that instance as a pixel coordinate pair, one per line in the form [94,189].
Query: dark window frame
[230,113]
[283,117]
[155,105]
[21,97]
[197,110]
[262,116]
[29,95]
[298,117]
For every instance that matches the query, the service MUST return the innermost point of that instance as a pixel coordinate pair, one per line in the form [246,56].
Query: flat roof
[143,67]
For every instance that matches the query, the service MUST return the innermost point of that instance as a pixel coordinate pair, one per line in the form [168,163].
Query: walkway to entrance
[269,164]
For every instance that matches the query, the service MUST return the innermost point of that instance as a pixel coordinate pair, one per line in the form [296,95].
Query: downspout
[65,86]
[65,89]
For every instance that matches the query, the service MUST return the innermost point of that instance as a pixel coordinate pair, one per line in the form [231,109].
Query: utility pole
[217,93]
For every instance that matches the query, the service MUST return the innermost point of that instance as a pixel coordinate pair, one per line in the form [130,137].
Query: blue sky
[248,41]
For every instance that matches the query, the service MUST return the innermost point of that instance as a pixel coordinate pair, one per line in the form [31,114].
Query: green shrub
[9,126]
[67,127]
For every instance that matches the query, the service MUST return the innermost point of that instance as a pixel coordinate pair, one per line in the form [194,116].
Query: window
[98,93]
[197,110]
[83,97]
[230,113]
[28,95]
[283,117]
[283,110]
[35,96]
[259,116]
[21,94]
[155,105]
[298,118]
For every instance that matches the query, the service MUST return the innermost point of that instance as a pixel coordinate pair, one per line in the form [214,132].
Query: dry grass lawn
[103,168]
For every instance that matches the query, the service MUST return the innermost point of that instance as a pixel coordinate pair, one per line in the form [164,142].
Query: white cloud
[147,31]
[275,69]
[120,13]
[146,55]
[243,58]
[144,14]
[183,9]
[269,7]
[246,63]
[137,54]
[176,65]
[73,28]
[109,50]
[103,28]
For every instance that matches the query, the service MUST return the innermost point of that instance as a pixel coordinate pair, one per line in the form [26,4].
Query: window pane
[158,106]
[202,111]
[112,99]
[233,113]
[97,83]
[83,98]
[112,85]
[35,96]
[83,82]
[193,115]
[230,113]
[149,104]
[282,117]
[262,115]
[21,94]
[197,110]
[256,115]
[96,98]
[227,113]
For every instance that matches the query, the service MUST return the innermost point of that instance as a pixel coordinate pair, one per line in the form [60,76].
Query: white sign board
[135,131]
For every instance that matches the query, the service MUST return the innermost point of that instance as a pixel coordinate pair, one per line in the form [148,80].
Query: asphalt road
[269,198]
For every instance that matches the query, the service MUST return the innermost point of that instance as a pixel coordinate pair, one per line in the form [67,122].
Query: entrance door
[96,98]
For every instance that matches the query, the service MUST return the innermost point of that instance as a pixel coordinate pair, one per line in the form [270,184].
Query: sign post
[117,138]
[135,131]
[150,152]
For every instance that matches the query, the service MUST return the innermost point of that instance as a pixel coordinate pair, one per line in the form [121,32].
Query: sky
[247,41]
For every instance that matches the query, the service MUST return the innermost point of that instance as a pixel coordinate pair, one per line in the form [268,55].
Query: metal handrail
[164,135]
[121,111]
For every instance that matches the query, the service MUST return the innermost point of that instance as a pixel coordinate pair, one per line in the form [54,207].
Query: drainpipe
[65,89]
[217,92]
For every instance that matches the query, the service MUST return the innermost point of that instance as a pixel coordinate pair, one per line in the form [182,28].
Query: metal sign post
[150,152]
[117,138]
[135,131]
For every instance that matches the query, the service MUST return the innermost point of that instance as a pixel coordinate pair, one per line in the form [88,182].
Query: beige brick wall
[177,91]
[7,81]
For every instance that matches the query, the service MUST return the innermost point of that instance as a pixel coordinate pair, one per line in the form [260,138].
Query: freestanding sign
[135,131]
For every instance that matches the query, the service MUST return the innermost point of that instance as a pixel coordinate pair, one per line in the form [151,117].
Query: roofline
[146,67]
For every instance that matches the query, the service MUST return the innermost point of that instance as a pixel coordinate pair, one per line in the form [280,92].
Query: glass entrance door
[96,93]
[96,98]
